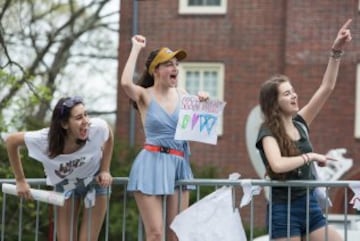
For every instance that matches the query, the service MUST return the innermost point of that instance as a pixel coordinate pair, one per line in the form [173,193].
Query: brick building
[243,42]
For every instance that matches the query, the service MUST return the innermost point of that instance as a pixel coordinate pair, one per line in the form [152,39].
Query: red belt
[163,149]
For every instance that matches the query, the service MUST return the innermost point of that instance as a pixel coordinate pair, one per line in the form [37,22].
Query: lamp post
[132,110]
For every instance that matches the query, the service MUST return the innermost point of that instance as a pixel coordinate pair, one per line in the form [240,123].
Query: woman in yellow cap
[163,160]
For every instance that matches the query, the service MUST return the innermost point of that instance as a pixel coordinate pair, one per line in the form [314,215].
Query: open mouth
[173,79]
[83,133]
[173,76]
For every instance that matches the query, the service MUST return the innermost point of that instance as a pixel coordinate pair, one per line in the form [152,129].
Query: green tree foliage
[43,45]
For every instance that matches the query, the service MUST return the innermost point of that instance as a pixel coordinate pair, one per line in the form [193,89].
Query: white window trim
[184,8]
[219,67]
[357,103]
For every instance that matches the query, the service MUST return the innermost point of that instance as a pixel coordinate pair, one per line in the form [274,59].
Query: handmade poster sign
[199,120]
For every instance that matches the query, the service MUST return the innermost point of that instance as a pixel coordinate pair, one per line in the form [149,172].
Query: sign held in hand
[199,120]
[37,194]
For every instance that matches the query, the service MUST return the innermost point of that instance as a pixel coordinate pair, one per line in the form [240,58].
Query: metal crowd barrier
[120,183]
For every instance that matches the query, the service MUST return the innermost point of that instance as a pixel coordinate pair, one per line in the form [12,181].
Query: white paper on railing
[355,201]
[37,194]
[212,218]
[249,191]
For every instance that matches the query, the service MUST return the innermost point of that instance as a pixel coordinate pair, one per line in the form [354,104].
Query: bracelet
[308,158]
[336,53]
[304,158]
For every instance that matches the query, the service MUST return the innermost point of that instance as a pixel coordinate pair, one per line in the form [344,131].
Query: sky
[99,89]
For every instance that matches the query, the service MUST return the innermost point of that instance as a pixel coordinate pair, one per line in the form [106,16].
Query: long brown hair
[146,80]
[60,116]
[268,98]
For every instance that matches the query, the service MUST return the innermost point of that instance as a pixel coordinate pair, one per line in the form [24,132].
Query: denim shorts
[81,190]
[279,227]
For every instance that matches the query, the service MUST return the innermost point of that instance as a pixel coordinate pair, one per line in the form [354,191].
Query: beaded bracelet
[306,158]
[336,53]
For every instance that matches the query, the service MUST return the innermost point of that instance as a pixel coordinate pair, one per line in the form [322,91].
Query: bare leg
[150,208]
[297,238]
[319,234]
[173,210]
[96,217]
[65,222]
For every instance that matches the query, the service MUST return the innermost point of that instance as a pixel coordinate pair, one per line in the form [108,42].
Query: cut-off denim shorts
[81,190]
[279,227]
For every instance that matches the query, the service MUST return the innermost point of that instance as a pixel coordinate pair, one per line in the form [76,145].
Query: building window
[202,6]
[208,77]
[357,103]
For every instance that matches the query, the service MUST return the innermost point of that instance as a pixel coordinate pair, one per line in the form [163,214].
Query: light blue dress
[155,173]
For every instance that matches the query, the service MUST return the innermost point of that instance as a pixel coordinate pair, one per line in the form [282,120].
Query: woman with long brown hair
[287,153]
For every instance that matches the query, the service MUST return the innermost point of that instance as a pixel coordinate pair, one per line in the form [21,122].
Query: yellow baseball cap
[165,54]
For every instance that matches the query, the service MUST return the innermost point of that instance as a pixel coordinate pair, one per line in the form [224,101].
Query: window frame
[205,66]
[184,8]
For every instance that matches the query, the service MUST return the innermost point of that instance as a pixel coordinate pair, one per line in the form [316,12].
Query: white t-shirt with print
[82,164]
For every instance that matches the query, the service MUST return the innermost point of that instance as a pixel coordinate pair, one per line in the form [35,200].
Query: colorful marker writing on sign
[198,120]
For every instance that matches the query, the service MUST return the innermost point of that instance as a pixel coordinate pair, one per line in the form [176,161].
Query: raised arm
[132,90]
[317,101]
[13,143]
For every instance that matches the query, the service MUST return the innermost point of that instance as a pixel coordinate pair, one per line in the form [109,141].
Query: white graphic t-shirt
[82,164]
